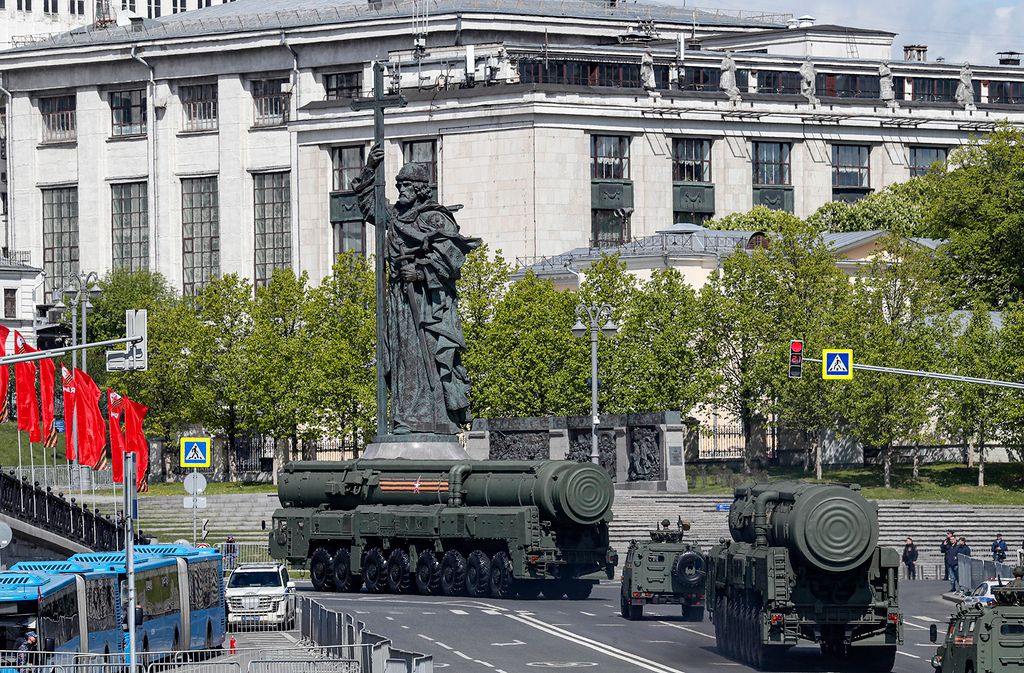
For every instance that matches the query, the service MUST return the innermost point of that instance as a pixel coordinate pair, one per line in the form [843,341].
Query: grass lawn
[212,488]
[954,483]
[9,449]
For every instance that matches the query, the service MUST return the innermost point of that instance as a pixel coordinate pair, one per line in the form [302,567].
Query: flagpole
[21,470]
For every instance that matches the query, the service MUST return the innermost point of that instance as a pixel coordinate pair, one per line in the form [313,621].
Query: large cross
[378,103]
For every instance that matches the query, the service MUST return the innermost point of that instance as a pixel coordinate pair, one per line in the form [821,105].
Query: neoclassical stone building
[223,140]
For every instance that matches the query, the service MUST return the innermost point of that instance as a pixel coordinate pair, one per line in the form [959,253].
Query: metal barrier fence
[334,630]
[295,659]
[53,512]
[237,553]
[77,478]
[974,571]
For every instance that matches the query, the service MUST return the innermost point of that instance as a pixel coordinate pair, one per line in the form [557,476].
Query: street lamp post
[596,314]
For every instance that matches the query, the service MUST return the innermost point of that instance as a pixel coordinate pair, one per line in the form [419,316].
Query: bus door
[186,604]
[83,612]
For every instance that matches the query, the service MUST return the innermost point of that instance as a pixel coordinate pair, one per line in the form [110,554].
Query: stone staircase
[164,517]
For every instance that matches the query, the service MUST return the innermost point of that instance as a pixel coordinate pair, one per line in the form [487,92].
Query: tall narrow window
[49,6]
[10,303]
[74,6]
[609,157]
[128,112]
[178,6]
[199,103]
[153,9]
[130,226]
[60,238]
[200,230]
[128,4]
[272,198]
[347,165]
[923,158]
[270,101]
[59,123]
[850,166]
[772,164]
[691,160]
[422,152]
[341,85]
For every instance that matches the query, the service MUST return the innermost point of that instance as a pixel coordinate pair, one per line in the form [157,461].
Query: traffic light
[796,359]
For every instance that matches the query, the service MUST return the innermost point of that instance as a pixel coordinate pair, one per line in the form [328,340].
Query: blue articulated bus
[46,604]
[98,602]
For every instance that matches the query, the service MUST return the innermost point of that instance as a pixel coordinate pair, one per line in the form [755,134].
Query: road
[513,636]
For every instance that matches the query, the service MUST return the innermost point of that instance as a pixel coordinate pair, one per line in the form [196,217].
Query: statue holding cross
[420,337]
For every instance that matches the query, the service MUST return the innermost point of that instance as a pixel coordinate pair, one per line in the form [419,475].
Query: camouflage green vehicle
[481,528]
[664,570]
[985,638]
[804,565]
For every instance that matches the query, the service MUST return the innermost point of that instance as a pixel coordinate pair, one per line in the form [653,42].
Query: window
[60,238]
[349,237]
[273,224]
[130,226]
[128,4]
[270,103]
[199,102]
[849,86]
[58,118]
[10,303]
[609,157]
[778,82]
[691,160]
[934,90]
[128,112]
[1006,93]
[1011,630]
[49,6]
[422,152]
[200,225]
[771,164]
[850,167]
[205,3]
[347,164]
[74,6]
[343,85]
[580,73]
[704,79]
[608,228]
[922,159]
[178,6]
[25,5]
[153,9]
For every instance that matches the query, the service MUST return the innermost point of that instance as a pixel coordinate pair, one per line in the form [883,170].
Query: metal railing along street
[974,571]
[289,659]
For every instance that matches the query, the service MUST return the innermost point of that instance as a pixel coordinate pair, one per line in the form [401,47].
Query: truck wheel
[528,590]
[578,590]
[453,573]
[320,570]
[688,568]
[626,607]
[478,574]
[344,580]
[716,623]
[375,571]
[428,574]
[501,581]
[399,572]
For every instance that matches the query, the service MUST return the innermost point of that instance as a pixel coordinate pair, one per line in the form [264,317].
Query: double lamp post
[596,314]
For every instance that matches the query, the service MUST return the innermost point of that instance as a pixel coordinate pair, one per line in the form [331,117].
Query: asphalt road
[513,636]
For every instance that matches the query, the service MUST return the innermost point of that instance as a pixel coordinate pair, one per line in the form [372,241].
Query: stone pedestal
[417,447]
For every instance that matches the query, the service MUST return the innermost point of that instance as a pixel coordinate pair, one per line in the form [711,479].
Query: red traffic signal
[796,359]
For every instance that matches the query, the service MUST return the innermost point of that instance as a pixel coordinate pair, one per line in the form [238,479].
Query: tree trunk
[748,448]
[970,452]
[917,461]
[981,464]
[887,465]
[809,439]
[817,455]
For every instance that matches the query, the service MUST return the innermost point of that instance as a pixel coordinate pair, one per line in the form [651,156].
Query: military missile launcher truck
[985,638]
[664,570]
[804,565]
[482,528]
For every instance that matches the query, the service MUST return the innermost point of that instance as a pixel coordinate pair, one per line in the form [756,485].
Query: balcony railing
[271,110]
[59,127]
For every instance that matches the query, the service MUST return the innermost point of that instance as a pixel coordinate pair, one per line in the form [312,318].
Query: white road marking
[447,647]
[404,626]
[390,619]
[669,642]
[925,619]
[484,663]
[688,629]
[589,614]
[491,612]
[514,642]
[602,648]
[458,612]
[619,625]
[464,656]
[907,654]
[915,626]
[425,637]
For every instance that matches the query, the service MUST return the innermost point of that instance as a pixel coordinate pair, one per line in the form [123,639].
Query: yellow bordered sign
[836,363]
[195,452]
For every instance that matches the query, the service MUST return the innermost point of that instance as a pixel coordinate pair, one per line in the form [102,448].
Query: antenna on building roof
[420,26]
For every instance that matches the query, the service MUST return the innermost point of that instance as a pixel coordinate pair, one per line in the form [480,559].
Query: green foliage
[481,287]
[760,219]
[899,208]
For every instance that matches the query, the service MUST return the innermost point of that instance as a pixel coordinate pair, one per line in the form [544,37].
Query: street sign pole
[194,509]
[129,522]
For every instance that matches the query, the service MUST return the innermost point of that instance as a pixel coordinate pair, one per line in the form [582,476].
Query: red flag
[92,436]
[46,383]
[134,414]
[115,408]
[68,381]
[25,389]
[5,377]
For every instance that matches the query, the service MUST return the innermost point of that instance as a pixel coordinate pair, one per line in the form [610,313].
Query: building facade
[224,141]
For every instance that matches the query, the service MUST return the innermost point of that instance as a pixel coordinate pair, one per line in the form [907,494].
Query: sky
[960,30]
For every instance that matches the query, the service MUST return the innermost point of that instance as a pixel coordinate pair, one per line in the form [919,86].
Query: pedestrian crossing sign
[836,363]
[195,452]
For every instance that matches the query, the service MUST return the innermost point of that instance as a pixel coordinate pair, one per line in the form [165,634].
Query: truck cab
[664,570]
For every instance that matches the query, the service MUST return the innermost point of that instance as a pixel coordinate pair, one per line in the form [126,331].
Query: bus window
[58,617]
[204,585]
[1011,630]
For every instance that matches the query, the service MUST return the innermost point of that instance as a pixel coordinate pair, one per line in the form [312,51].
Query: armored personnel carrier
[804,565]
[664,570]
[985,638]
[481,528]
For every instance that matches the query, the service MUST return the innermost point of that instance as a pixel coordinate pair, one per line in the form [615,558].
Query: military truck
[664,570]
[804,565]
[480,528]
[985,638]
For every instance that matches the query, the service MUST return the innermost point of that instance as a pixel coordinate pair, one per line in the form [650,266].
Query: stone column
[673,437]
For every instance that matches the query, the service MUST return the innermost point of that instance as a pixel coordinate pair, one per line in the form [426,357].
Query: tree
[759,219]
[482,285]
[899,208]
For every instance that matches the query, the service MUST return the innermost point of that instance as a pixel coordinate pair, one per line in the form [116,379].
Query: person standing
[230,553]
[27,646]
[910,558]
[999,549]
[944,548]
[953,561]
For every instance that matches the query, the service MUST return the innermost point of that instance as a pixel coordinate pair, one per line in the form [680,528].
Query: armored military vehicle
[664,570]
[804,565]
[985,638]
[482,528]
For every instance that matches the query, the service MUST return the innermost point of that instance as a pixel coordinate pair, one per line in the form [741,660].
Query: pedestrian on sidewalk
[953,561]
[910,558]
[944,548]
[230,553]
[999,549]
